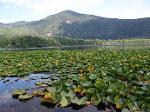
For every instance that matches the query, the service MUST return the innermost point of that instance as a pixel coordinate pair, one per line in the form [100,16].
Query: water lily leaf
[51,89]
[64,102]
[25,97]
[75,78]
[39,83]
[49,98]
[125,110]
[99,83]
[141,72]
[110,99]
[91,91]
[71,94]
[134,107]
[63,93]
[120,103]
[38,93]
[16,93]
[93,76]
[78,101]
[87,83]
[68,84]
[95,101]
[54,77]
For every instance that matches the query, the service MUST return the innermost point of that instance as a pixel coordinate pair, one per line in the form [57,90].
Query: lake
[9,104]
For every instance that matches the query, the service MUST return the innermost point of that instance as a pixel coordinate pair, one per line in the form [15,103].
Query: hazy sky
[28,10]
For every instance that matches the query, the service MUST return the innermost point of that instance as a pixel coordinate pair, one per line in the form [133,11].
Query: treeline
[70,41]
[36,42]
[25,42]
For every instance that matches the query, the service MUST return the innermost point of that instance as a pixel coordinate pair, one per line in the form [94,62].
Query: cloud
[124,9]
[16,2]
[7,6]
[54,6]
[5,20]
[43,8]
[52,3]
[29,10]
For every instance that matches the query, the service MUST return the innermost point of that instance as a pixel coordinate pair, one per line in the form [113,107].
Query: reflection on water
[8,104]
[84,47]
[9,84]
[107,47]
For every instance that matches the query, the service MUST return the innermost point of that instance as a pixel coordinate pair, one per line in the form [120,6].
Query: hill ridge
[76,25]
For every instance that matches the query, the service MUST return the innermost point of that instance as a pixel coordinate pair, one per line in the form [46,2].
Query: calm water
[83,47]
[8,104]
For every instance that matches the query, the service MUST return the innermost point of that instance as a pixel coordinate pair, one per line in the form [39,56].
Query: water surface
[8,104]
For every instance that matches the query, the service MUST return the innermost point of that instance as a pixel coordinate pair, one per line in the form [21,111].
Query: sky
[31,10]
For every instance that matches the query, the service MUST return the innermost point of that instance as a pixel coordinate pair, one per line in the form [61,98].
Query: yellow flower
[90,69]
[77,89]
[81,77]
[118,106]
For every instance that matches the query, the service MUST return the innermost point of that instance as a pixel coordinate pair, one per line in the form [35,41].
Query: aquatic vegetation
[18,93]
[25,97]
[116,78]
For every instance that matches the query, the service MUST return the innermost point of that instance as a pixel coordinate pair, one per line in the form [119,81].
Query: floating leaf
[49,98]
[125,110]
[38,93]
[25,97]
[78,101]
[93,76]
[64,102]
[17,93]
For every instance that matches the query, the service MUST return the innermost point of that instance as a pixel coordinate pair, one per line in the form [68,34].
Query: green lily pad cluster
[118,78]
[22,95]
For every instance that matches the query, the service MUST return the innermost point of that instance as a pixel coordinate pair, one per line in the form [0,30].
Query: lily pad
[42,84]
[25,97]
[17,93]
[38,93]
[78,101]
[49,98]
[64,102]
[93,76]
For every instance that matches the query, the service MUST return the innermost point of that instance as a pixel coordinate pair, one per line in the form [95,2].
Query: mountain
[75,25]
